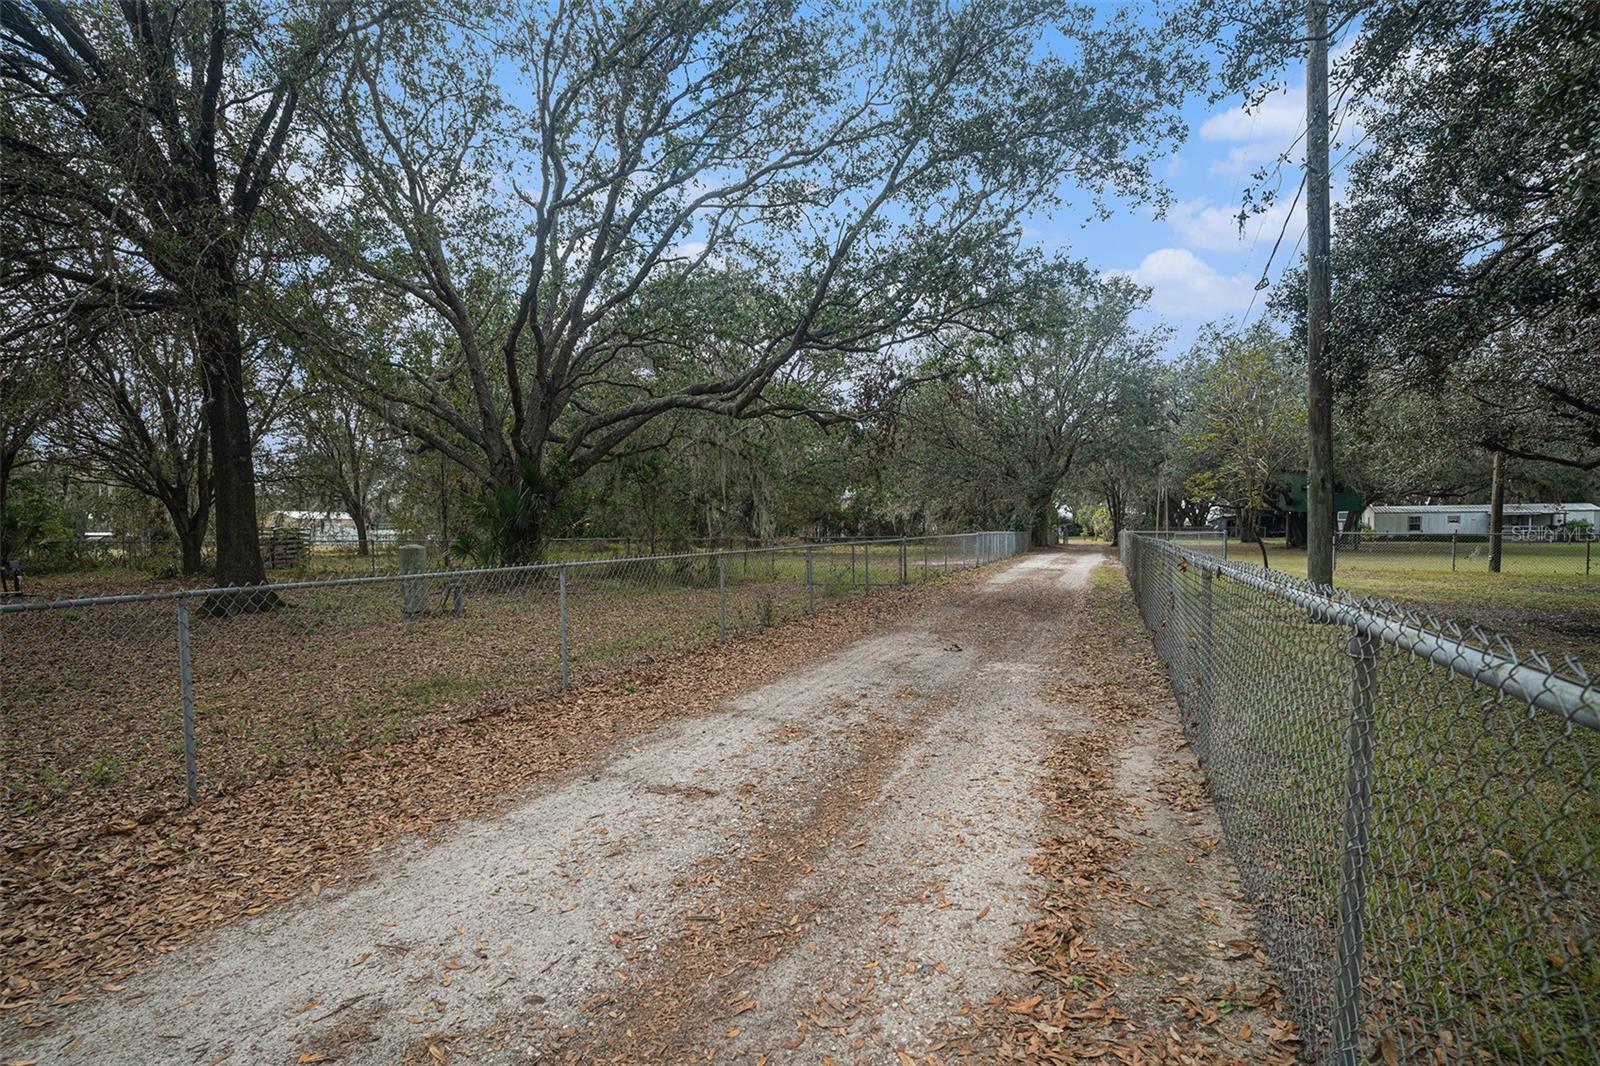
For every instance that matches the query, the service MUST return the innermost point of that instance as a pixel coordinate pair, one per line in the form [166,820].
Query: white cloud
[1279,117]
[1254,137]
[1244,160]
[1182,283]
[1201,224]
[1271,128]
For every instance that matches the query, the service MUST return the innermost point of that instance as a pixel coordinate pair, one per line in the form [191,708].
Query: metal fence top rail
[1533,681]
[1536,534]
[170,595]
[1542,534]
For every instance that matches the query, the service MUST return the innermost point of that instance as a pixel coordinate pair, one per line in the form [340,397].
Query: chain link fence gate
[115,708]
[1412,809]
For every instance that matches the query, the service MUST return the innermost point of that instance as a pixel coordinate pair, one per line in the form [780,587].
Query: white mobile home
[320,523]
[1474,517]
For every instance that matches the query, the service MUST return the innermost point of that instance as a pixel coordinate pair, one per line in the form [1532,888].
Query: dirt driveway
[833,867]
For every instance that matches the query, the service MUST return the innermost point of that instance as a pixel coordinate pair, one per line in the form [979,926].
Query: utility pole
[1497,510]
[1319,390]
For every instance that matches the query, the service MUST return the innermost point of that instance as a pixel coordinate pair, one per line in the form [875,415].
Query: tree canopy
[699,270]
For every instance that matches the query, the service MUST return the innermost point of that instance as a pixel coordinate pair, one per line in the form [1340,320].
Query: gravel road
[832,865]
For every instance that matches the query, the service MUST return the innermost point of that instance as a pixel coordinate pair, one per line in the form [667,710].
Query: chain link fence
[1533,553]
[1210,541]
[1412,809]
[114,708]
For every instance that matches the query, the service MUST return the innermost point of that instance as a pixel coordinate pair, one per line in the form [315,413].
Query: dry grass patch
[87,911]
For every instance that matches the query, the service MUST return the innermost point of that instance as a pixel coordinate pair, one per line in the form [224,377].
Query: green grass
[1556,613]
[1484,874]
[105,771]
[1422,576]
[441,688]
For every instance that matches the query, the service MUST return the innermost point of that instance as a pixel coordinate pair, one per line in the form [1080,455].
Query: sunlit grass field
[1483,869]
[1546,597]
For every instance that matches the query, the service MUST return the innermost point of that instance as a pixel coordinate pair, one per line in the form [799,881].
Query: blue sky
[1195,260]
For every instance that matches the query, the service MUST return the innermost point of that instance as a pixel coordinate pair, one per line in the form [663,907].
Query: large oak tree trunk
[1044,517]
[1249,526]
[514,514]
[233,468]
[191,542]
[190,527]
[192,560]
[7,460]
[1295,533]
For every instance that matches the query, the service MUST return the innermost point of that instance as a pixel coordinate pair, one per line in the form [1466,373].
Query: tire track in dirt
[881,899]
[834,867]
[492,940]
[742,914]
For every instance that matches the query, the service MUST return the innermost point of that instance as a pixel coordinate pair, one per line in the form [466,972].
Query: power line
[1342,110]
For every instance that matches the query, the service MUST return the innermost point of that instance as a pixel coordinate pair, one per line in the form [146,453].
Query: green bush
[33,528]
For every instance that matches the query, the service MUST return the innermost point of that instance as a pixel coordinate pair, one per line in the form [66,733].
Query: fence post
[722,598]
[1333,553]
[866,565]
[413,590]
[566,655]
[1347,1010]
[1588,553]
[925,561]
[459,607]
[902,560]
[1453,552]
[1207,678]
[811,596]
[1180,665]
[191,783]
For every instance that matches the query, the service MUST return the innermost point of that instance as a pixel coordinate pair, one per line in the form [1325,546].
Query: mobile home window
[1453,519]
[1413,523]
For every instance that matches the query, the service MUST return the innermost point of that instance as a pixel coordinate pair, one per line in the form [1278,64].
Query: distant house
[1520,518]
[321,523]
[326,528]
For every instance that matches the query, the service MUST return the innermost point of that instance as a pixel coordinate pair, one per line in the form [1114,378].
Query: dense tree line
[529,240]
[1464,298]
[704,270]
